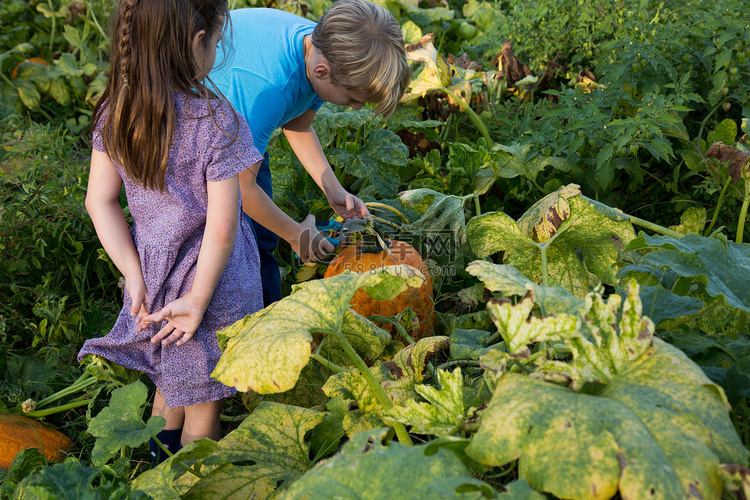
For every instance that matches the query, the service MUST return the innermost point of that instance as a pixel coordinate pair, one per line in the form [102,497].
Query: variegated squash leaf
[635,415]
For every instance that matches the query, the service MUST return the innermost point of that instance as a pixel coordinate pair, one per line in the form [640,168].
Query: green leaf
[519,330]
[71,480]
[397,378]
[723,267]
[509,282]
[368,339]
[725,132]
[378,161]
[605,169]
[107,371]
[512,161]
[443,414]
[654,423]
[693,220]
[468,344]
[28,93]
[352,418]
[738,379]
[266,351]
[412,33]
[121,423]
[435,74]
[442,213]
[592,228]
[365,468]
[273,438]
[306,393]
[330,119]
[72,36]
[170,479]
[24,464]
[661,304]
[723,57]
[494,232]
[520,489]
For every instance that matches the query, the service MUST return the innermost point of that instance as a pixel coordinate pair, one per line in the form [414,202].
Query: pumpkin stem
[383,206]
[372,242]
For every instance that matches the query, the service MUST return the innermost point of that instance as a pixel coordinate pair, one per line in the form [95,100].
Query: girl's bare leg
[201,421]
[171,435]
[175,416]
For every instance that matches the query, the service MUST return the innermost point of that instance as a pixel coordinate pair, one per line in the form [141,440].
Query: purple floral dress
[167,230]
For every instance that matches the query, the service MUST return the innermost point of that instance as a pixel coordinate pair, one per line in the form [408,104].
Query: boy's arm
[304,141]
[103,206]
[304,238]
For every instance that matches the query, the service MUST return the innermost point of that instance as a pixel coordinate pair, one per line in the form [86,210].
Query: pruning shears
[339,231]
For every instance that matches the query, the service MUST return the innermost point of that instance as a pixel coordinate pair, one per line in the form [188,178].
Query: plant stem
[718,206]
[236,418]
[375,387]
[743,212]
[82,383]
[96,23]
[6,80]
[170,454]
[478,123]
[328,364]
[654,227]
[741,321]
[397,324]
[477,206]
[383,206]
[52,33]
[703,125]
[384,221]
[55,409]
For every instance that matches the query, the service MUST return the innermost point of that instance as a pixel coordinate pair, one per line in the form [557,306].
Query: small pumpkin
[30,60]
[18,433]
[366,256]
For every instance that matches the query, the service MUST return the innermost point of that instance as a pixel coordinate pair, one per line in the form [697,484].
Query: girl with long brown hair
[190,260]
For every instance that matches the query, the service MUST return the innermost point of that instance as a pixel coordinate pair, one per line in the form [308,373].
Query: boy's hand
[347,205]
[311,244]
[183,318]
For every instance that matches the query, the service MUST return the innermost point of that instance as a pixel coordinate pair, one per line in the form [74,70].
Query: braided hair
[151,58]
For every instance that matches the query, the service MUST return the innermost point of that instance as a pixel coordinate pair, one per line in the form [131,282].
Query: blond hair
[364,46]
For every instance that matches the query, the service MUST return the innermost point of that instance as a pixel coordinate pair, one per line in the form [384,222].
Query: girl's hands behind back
[183,318]
[136,288]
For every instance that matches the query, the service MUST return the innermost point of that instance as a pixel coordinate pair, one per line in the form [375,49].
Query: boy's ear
[322,70]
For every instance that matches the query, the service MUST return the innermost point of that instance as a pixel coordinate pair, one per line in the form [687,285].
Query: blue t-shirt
[264,76]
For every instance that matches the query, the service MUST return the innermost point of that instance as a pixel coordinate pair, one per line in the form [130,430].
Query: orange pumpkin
[360,258]
[18,433]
